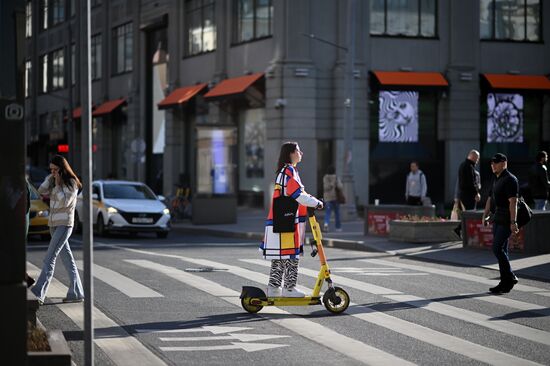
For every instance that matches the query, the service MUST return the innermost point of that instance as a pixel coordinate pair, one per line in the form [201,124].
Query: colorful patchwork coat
[288,245]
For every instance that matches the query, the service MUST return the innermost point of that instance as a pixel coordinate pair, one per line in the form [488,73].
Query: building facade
[203,92]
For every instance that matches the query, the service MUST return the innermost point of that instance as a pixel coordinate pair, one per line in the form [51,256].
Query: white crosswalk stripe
[461,276]
[126,285]
[436,338]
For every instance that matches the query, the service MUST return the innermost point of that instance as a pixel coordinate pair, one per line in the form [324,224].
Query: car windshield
[128,191]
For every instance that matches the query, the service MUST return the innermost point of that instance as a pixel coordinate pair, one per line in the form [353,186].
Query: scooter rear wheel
[252,309]
[336,302]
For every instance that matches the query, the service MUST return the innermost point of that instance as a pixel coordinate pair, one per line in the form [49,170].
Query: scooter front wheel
[252,309]
[336,301]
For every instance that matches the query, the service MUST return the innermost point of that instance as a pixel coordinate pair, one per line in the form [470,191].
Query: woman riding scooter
[283,247]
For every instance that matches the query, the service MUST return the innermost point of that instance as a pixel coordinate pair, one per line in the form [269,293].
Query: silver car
[125,206]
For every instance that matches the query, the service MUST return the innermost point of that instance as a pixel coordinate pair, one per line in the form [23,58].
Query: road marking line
[214,329]
[461,276]
[248,347]
[118,345]
[124,284]
[316,332]
[439,339]
[243,337]
[504,326]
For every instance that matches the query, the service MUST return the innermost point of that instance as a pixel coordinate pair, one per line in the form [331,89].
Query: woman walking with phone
[61,186]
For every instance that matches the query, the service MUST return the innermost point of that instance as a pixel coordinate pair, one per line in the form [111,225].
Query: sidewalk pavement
[250,225]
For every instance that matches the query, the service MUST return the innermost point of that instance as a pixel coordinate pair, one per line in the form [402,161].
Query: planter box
[423,232]
[377,217]
[532,239]
[59,355]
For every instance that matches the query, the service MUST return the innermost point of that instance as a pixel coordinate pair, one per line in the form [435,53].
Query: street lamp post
[349,209]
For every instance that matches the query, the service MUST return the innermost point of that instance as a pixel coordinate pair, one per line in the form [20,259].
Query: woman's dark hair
[284,156]
[331,169]
[65,171]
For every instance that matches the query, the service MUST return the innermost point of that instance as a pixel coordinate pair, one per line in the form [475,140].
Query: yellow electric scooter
[335,299]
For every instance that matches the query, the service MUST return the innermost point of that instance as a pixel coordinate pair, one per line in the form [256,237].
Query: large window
[254,19]
[252,136]
[96,57]
[410,18]
[58,11]
[58,69]
[28,20]
[201,29]
[28,66]
[44,66]
[510,20]
[123,48]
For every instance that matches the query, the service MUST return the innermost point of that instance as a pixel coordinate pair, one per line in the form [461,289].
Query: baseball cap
[498,158]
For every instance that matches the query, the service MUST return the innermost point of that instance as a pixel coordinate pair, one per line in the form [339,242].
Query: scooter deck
[286,301]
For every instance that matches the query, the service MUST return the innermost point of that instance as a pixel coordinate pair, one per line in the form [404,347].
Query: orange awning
[181,96]
[108,107]
[410,79]
[518,82]
[233,86]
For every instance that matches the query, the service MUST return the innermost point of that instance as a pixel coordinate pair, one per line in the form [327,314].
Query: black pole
[13,197]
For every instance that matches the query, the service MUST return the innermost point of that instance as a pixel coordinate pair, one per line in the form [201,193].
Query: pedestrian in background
[504,196]
[538,181]
[61,186]
[331,183]
[284,248]
[416,188]
[468,186]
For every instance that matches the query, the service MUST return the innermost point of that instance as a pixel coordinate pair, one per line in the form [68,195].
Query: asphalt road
[155,307]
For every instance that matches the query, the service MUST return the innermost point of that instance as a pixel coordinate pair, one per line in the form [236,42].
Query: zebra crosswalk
[412,320]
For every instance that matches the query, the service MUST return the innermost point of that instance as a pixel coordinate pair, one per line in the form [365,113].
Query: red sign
[62,148]
[479,236]
[379,222]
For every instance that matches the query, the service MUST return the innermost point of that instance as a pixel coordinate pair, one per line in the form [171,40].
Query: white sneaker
[293,292]
[274,291]
[325,228]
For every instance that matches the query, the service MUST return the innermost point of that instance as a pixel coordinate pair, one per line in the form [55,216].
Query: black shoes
[504,287]
[458,231]
[30,281]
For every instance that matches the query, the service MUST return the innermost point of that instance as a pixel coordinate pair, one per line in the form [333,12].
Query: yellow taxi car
[39,213]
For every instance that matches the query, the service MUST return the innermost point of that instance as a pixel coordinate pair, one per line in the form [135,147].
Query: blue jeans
[540,204]
[329,206]
[501,234]
[59,245]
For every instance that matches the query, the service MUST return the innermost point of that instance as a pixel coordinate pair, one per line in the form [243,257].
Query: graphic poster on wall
[398,116]
[504,118]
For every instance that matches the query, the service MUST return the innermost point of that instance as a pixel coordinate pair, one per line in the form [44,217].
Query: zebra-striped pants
[287,268]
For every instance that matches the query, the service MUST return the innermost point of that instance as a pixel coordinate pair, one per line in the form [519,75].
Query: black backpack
[524,213]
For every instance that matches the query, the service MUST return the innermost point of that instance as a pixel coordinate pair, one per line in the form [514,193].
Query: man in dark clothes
[469,182]
[504,197]
[468,185]
[538,181]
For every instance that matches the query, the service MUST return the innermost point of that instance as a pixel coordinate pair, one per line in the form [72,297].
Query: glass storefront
[216,157]
[252,135]
[403,128]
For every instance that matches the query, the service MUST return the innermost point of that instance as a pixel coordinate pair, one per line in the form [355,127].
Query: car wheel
[77,223]
[100,226]
[162,234]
